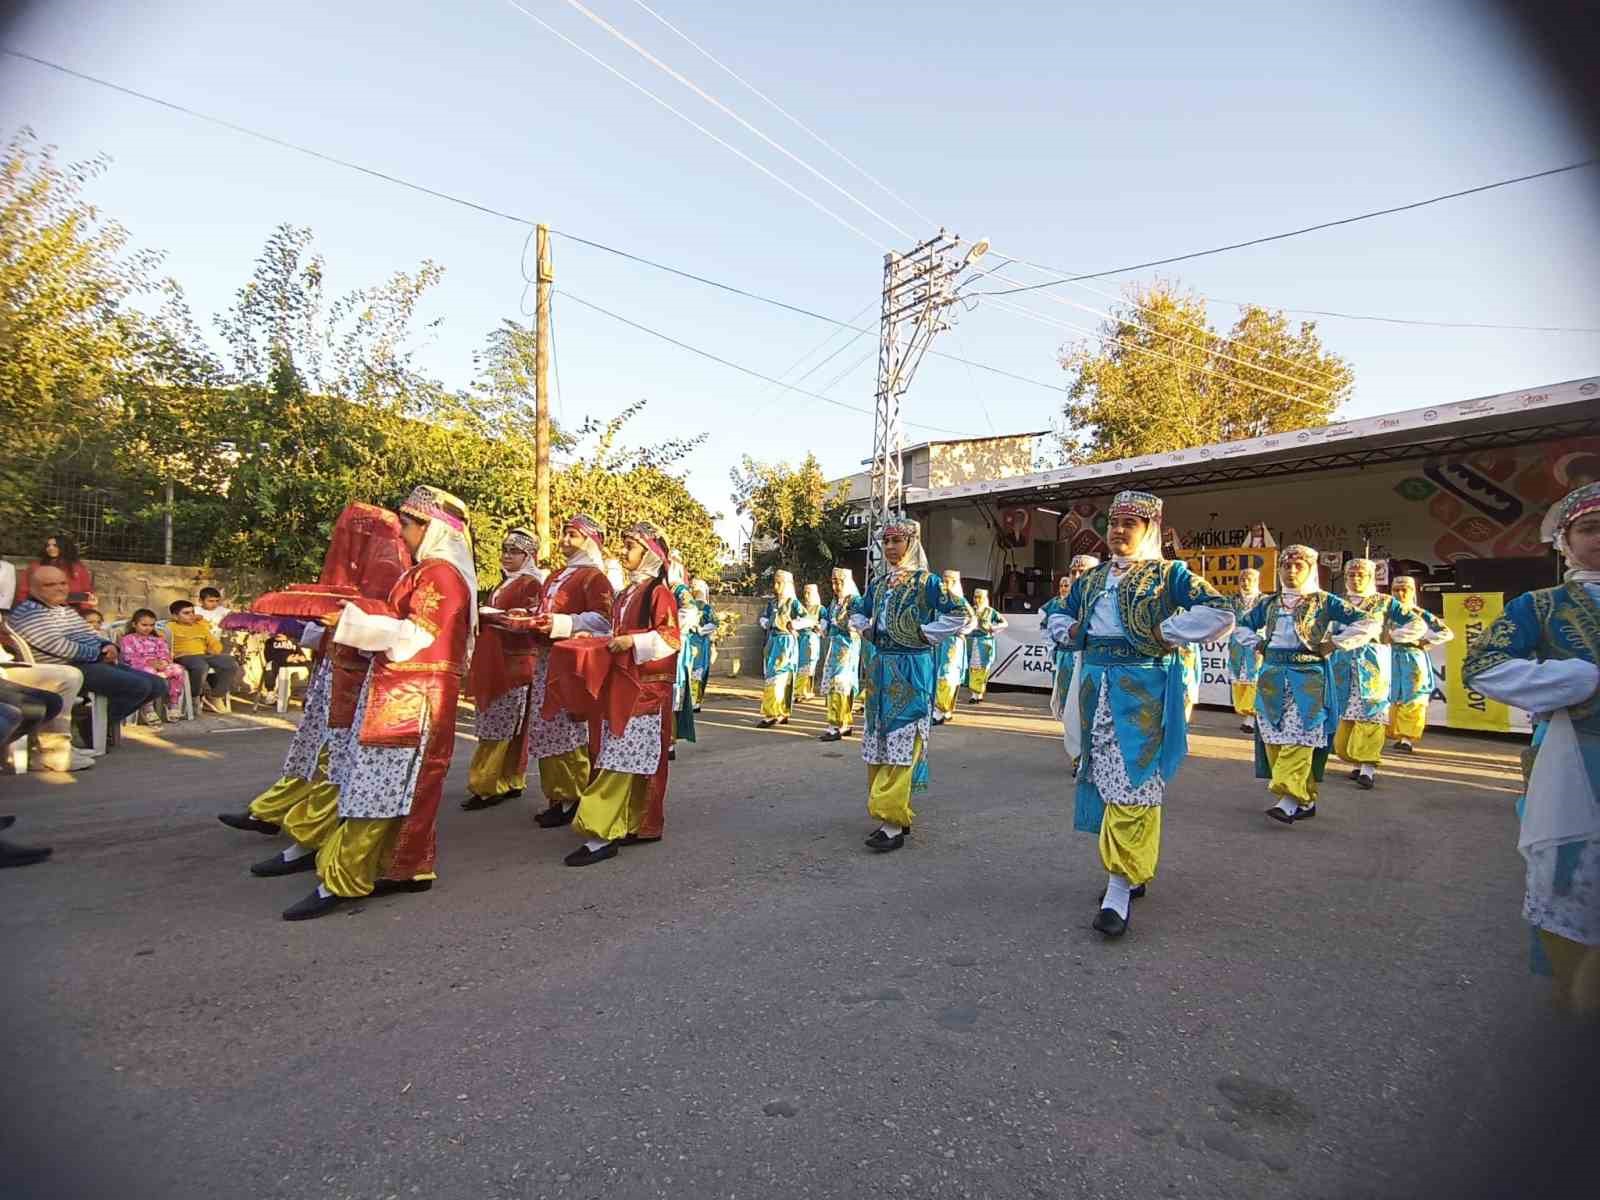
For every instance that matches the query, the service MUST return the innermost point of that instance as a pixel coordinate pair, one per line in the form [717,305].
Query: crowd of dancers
[590,685]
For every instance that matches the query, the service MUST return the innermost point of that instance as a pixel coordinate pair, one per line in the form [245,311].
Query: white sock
[1368,770]
[1403,742]
[594,844]
[889,829]
[1249,723]
[322,890]
[1119,891]
[296,852]
[1289,806]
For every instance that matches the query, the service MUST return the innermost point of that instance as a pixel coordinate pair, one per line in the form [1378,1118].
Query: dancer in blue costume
[980,645]
[808,642]
[841,659]
[1361,674]
[1300,625]
[1543,654]
[700,643]
[683,706]
[950,660]
[783,621]
[1065,657]
[1412,682]
[1127,618]
[905,613]
[1244,651]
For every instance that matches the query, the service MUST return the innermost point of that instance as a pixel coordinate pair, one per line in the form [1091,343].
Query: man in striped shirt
[58,634]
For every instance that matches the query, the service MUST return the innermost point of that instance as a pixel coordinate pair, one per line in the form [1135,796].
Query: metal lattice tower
[917,293]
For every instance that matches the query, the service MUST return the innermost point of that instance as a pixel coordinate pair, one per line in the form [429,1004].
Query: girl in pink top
[143,649]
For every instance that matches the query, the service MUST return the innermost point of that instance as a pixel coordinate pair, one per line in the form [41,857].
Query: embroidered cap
[650,537]
[1144,505]
[1360,564]
[1298,553]
[428,503]
[521,539]
[905,527]
[1568,509]
[586,525]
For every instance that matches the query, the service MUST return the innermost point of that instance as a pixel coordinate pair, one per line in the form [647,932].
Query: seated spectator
[94,619]
[198,650]
[57,634]
[144,649]
[63,552]
[212,609]
[53,740]
[33,707]
[8,586]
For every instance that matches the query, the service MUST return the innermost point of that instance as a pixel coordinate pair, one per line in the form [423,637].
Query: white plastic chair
[17,756]
[285,684]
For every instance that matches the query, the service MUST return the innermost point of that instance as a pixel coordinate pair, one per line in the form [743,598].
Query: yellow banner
[1468,614]
[1220,567]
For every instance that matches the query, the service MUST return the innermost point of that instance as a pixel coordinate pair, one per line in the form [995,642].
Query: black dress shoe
[1356,773]
[1404,748]
[783,720]
[672,755]
[248,823]
[313,906]
[633,839]
[1307,811]
[1278,815]
[475,802]
[1366,782]
[13,855]
[1108,922]
[269,867]
[844,733]
[766,722]
[7,821]
[832,735]
[881,842]
[389,887]
[585,857]
[511,794]
[555,817]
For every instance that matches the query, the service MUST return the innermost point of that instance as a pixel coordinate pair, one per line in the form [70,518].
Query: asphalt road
[759,1007]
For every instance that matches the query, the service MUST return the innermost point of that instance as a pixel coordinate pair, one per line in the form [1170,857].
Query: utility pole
[917,293]
[541,394]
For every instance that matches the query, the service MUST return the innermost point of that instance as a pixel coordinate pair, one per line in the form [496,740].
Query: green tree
[1160,378]
[797,515]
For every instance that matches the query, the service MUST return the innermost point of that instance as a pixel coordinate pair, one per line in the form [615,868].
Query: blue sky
[1083,136]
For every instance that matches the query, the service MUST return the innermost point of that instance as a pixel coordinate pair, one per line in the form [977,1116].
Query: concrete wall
[123,587]
[951,463]
[748,641]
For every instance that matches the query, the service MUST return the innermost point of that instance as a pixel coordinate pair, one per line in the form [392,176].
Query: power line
[473,205]
[726,111]
[796,121]
[1318,312]
[1067,277]
[656,333]
[690,121]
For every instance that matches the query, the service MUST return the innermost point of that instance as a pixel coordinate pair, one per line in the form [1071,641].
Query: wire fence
[119,522]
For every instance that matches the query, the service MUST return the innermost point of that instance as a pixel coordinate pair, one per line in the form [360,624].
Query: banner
[1468,614]
[1023,654]
[1220,567]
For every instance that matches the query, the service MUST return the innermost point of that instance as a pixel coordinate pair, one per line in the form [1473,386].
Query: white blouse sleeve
[1357,633]
[399,639]
[1200,623]
[1539,686]
[649,646]
[957,620]
[1059,626]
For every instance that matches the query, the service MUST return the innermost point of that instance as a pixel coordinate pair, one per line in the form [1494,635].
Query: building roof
[1570,409]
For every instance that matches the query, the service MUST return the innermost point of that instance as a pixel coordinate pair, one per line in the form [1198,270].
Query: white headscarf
[520,539]
[952,582]
[613,569]
[700,589]
[1370,587]
[593,546]
[1312,585]
[1147,508]
[847,588]
[445,537]
[1255,588]
[783,586]
[916,558]
[812,598]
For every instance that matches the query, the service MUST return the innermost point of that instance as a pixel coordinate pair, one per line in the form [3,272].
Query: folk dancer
[950,658]
[980,645]
[367,553]
[906,612]
[1361,674]
[1244,651]
[783,651]
[808,644]
[688,625]
[1412,682]
[575,601]
[700,644]
[1065,657]
[1126,618]
[499,679]
[624,800]
[391,773]
[1298,627]
[1543,654]
[841,663]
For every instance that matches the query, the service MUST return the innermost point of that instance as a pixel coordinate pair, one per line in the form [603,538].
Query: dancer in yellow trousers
[1298,626]
[499,678]
[782,620]
[1126,618]
[841,662]
[905,612]
[1244,651]
[1413,679]
[980,645]
[808,644]
[1542,654]
[950,659]
[1361,673]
